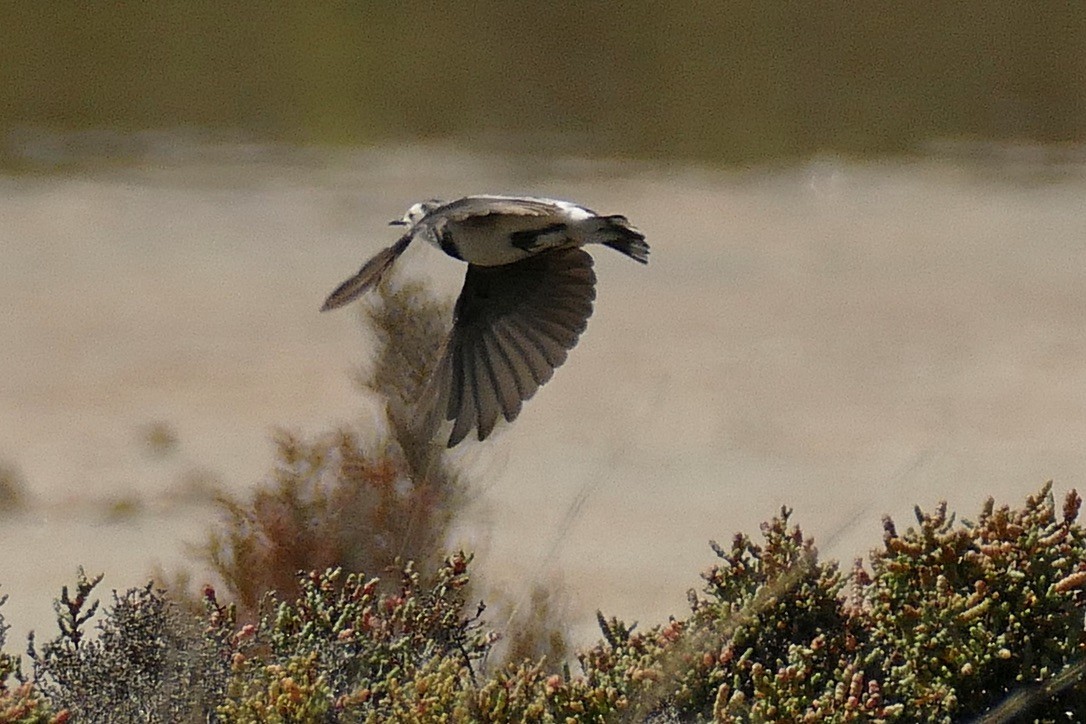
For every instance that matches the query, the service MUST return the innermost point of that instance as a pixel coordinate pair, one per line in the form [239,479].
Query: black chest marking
[444,239]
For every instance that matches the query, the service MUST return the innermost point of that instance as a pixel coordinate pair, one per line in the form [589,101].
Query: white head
[416,213]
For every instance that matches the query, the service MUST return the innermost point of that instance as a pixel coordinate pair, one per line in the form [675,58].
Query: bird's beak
[397,222]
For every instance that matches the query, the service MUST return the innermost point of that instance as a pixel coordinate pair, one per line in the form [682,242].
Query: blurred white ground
[845,338]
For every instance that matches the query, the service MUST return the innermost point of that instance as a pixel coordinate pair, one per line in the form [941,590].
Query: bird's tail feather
[617,233]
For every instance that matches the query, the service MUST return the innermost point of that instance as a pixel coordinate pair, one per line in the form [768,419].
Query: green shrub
[147,660]
[343,650]
[770,639]
[954,621]
[960,617]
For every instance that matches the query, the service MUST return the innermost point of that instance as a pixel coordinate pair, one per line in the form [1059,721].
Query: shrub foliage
[953,622]
[338,605]
[334,502]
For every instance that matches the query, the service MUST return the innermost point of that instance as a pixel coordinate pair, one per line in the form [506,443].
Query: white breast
[488,240]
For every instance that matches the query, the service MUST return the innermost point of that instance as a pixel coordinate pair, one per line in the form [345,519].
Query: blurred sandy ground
[845,338]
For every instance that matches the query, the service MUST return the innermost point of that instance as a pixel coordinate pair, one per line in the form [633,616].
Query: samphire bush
[336,603]
[953,622]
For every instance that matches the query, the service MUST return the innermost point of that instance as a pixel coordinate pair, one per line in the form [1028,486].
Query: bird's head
[416,213]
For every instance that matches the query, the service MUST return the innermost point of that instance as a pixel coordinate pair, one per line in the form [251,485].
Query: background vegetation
[730,82]
[337,603]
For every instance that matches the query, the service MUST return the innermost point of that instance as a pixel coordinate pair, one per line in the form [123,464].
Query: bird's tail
[617,233]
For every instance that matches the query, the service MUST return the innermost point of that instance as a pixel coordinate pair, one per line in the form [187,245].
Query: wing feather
[554,351]
[527,356]
[368,276]
[466,417]
[514,325]
[506,384]
[486,388]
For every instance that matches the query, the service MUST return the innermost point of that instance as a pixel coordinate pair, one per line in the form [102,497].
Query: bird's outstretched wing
[513,325]
[368,276]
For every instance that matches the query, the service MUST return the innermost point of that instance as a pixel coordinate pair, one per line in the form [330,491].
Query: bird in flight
[527,296]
